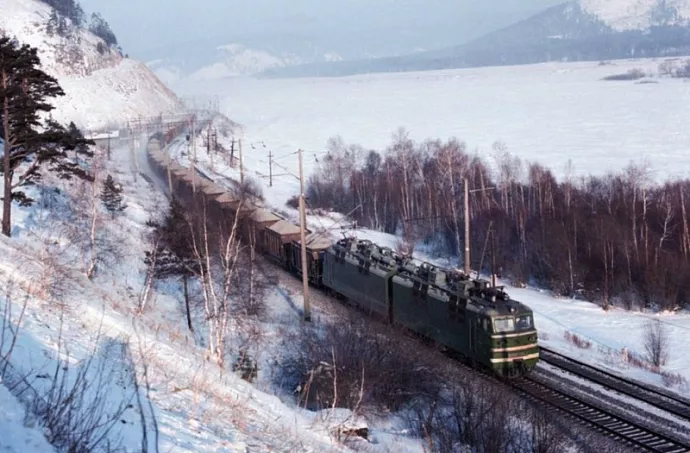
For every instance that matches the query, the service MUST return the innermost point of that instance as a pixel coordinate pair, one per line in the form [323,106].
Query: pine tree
[30,143]
[52,23]
[174,255]
[100,28]
[111,196]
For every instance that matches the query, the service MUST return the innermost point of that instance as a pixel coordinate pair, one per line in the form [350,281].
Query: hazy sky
[144,24]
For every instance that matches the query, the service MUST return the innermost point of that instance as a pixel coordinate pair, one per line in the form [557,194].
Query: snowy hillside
[92,326]
[100,86]
[638,14]
[578,30]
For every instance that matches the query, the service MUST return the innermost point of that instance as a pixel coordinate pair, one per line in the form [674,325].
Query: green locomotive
[467,316]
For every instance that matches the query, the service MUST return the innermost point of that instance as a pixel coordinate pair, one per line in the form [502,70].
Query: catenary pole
[303,241]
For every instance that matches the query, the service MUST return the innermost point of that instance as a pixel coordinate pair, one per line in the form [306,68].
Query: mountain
[229,60]
[101,86]
[203,60]
[571,31]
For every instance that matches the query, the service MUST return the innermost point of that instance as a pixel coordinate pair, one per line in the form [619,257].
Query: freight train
[469,318]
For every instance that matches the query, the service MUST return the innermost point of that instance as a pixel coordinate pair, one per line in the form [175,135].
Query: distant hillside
[101,85]
[203,60]
[217,62]
[572,31]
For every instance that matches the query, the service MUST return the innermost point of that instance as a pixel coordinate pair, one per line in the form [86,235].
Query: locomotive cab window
[504,325]
[486,325]
[524,322]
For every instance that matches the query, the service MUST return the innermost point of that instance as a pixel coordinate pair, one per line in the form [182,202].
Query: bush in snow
[355,366]
[656,343]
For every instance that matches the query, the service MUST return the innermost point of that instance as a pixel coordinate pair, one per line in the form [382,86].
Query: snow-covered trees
[111,196]
[70,9]
[30,143]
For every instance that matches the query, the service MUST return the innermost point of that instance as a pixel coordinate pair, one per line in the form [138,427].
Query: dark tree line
[614,238]
[100,28]
[70,9]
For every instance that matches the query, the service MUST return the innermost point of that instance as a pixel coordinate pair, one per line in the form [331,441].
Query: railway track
[640,437]
[659,398]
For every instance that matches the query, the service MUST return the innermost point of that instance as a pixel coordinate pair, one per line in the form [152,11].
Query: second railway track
[629,432]
[659,398]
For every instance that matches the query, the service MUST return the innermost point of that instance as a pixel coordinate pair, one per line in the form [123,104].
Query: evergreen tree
[52,23]
[100,28]
[111,196]
[30,143]
[174,255]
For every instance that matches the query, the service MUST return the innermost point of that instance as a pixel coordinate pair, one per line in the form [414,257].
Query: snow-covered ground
[17,435]
[550,113]
[197,407]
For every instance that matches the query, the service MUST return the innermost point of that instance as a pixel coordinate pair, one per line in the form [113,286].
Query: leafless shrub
[656,343]
[9,330]
[144,356]
[77,408]
[632,74]
[50,256]
[477,415]
[250,190]
[675,68]
[87,230]
[404,247]
[673,379]
[630,300]
[293,202]
[354,366]
[576,340]
[544,436]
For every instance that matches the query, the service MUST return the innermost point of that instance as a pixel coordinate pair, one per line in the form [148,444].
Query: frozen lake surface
[547,113]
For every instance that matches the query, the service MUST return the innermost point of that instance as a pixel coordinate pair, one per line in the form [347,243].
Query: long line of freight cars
[467,316]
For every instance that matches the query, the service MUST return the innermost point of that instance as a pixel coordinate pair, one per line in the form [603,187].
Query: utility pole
[232,150]
[193,159]
[270,169]
[303,241]
[241,167]
[135,165]
[493,257]
[167,164]
[467,227]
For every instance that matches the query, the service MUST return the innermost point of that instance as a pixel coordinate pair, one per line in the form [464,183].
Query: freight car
[466,316]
